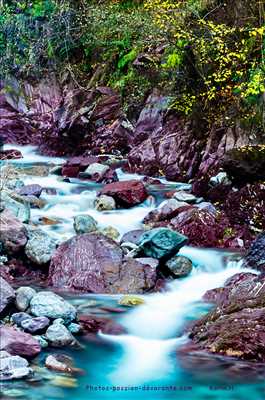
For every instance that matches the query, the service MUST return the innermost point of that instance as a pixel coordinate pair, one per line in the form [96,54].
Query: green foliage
[35,36]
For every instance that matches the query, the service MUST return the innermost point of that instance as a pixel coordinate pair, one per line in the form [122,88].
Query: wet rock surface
[126,193]
[94,263]
[235,327]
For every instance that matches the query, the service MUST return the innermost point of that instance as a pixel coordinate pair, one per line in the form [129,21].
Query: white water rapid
[155,329]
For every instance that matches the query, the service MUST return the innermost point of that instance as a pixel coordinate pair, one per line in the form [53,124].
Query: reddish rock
[93,263]
[236,326]
[10,154]
[18,343]
[75,165]
[126,193]
[92,324]
[13,234]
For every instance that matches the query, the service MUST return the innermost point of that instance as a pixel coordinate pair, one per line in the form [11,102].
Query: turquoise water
[190,377]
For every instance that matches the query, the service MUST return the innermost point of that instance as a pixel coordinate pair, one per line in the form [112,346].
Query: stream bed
[145,362]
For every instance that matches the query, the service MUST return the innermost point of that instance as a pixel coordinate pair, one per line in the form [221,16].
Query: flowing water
[145,362]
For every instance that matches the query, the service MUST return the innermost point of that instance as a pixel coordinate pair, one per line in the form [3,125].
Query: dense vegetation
[208,55]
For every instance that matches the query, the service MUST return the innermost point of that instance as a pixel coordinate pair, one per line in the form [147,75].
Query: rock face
[235,327]
[12,232]
[40,247]
[126,193]
[161,242]
[245,164]
[255,258]
[94,263]
[50,305]
[19,343]
[7,295]
[13,367]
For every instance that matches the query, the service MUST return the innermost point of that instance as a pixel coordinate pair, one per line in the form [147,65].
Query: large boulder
[235,327]
[40,247]
[13,234]
[7,295]
[161,242]
[18,343]
[126,193]
[50,305]
[94,263]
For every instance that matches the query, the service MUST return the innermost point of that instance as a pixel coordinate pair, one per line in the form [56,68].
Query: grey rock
[18,318]
[132,236]
[96,169]
[31,190]
[85,224]
[59,336]
[13,367]
[7,295]
[180,266]
[220,179]
[20,209]
[35,325]
[185,197]
[105,203]
[23,296]
[50,305]
[40,247]
[14,184]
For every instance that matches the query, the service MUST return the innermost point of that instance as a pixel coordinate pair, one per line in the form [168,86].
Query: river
[145,362]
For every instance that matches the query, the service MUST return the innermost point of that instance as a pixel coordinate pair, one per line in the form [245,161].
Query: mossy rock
[245,164]
[130,301]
